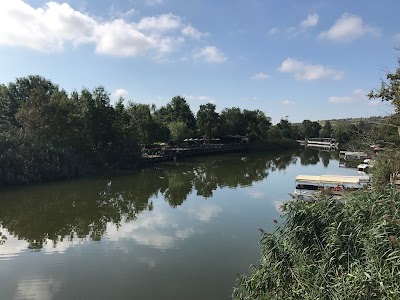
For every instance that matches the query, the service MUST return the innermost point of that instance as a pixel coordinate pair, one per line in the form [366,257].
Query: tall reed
[330,250]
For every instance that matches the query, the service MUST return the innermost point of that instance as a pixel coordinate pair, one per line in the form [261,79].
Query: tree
[19,92]
[341,133]
[274,133]
[311,129]
[284,128]
[52,118]
[232,121]
[326,130]
[257,125]
[177,110]
[179,131]
[141,122]
[161,131]
[207,120]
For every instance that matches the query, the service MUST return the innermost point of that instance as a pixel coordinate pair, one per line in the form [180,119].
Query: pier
[176,153]
[320,143]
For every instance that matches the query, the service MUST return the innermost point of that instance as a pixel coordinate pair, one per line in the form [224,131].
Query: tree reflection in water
[83,209]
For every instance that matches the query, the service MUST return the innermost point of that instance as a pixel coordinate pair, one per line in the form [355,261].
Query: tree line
[47,133]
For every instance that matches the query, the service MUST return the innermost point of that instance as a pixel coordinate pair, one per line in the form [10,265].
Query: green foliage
[177,110]
[142,122]
[232,121]
[342,134]
[50,135]
[26,159]
[330,250]
[85,128]
[257,125]
[385,165]
[208,120]
[179,131]
[284,128]
[326,130]
[19,92]
[310,129]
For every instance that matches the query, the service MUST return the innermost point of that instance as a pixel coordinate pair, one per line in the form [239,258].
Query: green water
[175,231]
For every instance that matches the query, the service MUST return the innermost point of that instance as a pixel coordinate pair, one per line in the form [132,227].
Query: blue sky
[304,59]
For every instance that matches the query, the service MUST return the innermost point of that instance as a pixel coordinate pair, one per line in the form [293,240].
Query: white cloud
[43,29]
[344,99]
[192,32]
[303,71]
[274,30]
[206,99]
[211,54]
[260,76]
[356,96]
[120,93]
[288,102]
[160,23]
[348,28]
[154,2]
[110,41]
[51,27]
[311,21]
[201,99]
[303,26]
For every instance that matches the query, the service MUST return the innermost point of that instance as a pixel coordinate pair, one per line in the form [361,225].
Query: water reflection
[57,216]
[40,288]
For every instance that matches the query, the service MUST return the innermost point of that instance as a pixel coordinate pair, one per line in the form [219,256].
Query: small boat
[355,156]
[363,167]
[308,187]
[366,165]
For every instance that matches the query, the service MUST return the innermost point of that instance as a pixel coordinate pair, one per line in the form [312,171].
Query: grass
[328,250]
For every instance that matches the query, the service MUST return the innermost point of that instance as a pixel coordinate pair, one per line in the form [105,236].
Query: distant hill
[347,121]
[335,122]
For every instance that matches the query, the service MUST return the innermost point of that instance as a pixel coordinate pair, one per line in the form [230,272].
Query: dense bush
[26,160]
[330,250]
[386,164]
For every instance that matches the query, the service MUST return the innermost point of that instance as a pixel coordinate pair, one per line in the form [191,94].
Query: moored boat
[366,165]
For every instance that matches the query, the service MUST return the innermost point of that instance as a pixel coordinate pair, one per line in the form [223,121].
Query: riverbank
[28,161]
[326,250]
[177,153]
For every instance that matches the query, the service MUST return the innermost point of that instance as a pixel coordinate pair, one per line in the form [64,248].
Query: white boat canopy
[332,179]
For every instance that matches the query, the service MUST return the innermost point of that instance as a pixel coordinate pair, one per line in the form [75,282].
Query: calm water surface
[175,231]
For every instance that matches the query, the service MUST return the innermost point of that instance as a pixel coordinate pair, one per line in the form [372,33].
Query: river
[179,230]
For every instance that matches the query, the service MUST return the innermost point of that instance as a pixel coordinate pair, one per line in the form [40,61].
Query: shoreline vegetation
[326,250]
[47,134]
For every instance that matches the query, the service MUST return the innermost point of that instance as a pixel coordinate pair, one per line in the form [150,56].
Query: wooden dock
[172,154]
